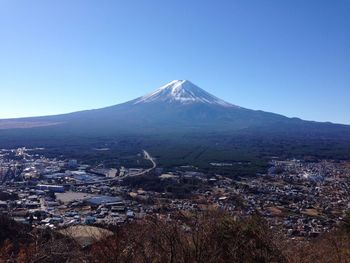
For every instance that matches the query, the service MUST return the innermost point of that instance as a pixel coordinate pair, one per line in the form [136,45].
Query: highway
[146,155]
[150,158]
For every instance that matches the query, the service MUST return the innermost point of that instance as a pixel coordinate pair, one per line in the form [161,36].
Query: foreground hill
[206,237]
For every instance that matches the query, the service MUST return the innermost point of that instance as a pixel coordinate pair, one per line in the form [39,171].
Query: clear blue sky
[290,57]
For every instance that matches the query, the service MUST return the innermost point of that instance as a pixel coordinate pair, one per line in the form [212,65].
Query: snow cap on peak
[181,91]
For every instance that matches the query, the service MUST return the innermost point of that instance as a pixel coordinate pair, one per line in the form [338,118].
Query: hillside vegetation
[206,237]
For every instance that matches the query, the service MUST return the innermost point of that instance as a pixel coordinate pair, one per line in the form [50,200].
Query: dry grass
[85,235]
[310,212]
[275,211]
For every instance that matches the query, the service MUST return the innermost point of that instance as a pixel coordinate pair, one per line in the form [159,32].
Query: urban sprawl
[300,199]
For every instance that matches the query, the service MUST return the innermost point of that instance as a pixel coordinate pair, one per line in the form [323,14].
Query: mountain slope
[179,106]
[179,102]
[179,124]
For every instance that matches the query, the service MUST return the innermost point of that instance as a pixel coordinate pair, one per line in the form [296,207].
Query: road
[146,155]
[150,158]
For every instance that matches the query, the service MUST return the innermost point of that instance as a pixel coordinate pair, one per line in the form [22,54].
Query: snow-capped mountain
[173,118]
[183,92]
[177,107]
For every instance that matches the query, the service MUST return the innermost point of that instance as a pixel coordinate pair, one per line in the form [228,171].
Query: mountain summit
[183,92]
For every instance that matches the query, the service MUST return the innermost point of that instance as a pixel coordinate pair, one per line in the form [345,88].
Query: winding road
[146,155]
[150,158]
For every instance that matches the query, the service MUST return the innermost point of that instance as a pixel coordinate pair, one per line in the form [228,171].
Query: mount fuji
[177,108]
